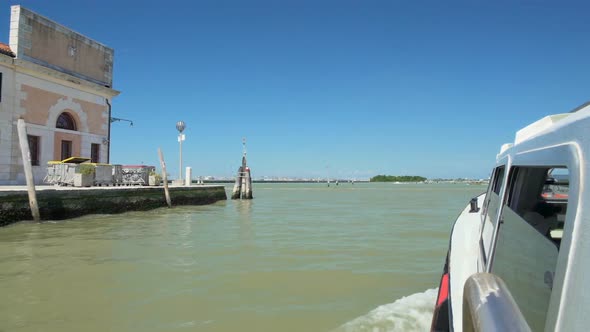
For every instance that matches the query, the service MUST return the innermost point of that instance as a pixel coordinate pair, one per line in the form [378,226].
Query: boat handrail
[489,306]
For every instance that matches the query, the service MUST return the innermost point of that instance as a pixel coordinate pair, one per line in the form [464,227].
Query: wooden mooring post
[28,169]
[164,178]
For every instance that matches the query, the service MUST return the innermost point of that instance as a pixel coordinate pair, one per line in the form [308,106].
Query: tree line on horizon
[395,178]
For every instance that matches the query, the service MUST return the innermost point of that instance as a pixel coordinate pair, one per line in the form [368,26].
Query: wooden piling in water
[164,178]
[26,156]
[243,186]
[236,193]
[248,185]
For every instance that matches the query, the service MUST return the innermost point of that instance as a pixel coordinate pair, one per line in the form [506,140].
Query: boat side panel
[525,260]
[464,251]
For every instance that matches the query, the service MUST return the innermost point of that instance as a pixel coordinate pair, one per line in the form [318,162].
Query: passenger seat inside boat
[543,217]
[540,199]
[548,218]
[556,232]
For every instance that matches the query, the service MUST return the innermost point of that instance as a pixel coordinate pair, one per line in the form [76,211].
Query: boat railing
[489,306]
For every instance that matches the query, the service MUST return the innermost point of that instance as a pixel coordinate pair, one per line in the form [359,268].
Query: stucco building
[60,83]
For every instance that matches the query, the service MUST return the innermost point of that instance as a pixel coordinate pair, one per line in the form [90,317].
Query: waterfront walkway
[54,187]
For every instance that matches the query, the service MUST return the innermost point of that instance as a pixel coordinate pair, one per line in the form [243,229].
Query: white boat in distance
[521,262]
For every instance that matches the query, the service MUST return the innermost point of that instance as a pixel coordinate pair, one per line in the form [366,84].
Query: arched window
[65,121]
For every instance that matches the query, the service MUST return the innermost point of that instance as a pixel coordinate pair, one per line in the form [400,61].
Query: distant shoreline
[287,181]
[350,182]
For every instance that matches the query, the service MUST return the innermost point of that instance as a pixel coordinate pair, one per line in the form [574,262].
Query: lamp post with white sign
[180,126]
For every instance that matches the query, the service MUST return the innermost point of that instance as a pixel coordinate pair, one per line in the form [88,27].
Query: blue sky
[332,88]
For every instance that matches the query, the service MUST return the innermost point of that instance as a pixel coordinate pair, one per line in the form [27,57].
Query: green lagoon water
[299,257]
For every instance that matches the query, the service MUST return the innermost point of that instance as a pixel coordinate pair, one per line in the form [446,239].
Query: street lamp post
[180,126]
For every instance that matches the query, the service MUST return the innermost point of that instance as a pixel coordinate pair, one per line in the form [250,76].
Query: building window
[66,149]
[94,153]
[65,121]
[34,149]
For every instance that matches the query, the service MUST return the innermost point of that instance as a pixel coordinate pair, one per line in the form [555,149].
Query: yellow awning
[75,160]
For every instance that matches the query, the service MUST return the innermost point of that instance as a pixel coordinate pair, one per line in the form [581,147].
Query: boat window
[484,208]
[490,213]
[539,196]
[498,179]
[528,241]
[556,187]
[494,186]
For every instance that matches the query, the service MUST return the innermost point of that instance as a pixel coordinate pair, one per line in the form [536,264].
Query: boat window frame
[491,188]
[484,214]
[486,201]
[566,155]
[486,257]
[524,186]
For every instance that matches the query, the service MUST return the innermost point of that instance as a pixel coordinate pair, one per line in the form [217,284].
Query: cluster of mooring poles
[243,186]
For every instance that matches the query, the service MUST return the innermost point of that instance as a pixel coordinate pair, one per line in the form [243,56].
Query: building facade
[60,83]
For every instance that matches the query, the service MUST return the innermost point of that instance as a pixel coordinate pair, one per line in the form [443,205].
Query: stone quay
[56,203]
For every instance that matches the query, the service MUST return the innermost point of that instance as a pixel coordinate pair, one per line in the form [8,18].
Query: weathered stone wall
[63,204]
[40,40]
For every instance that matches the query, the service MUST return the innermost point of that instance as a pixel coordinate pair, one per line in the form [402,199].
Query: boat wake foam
[410,313]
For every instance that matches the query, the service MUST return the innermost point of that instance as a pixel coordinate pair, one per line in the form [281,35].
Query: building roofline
[59,25]
[6,50]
